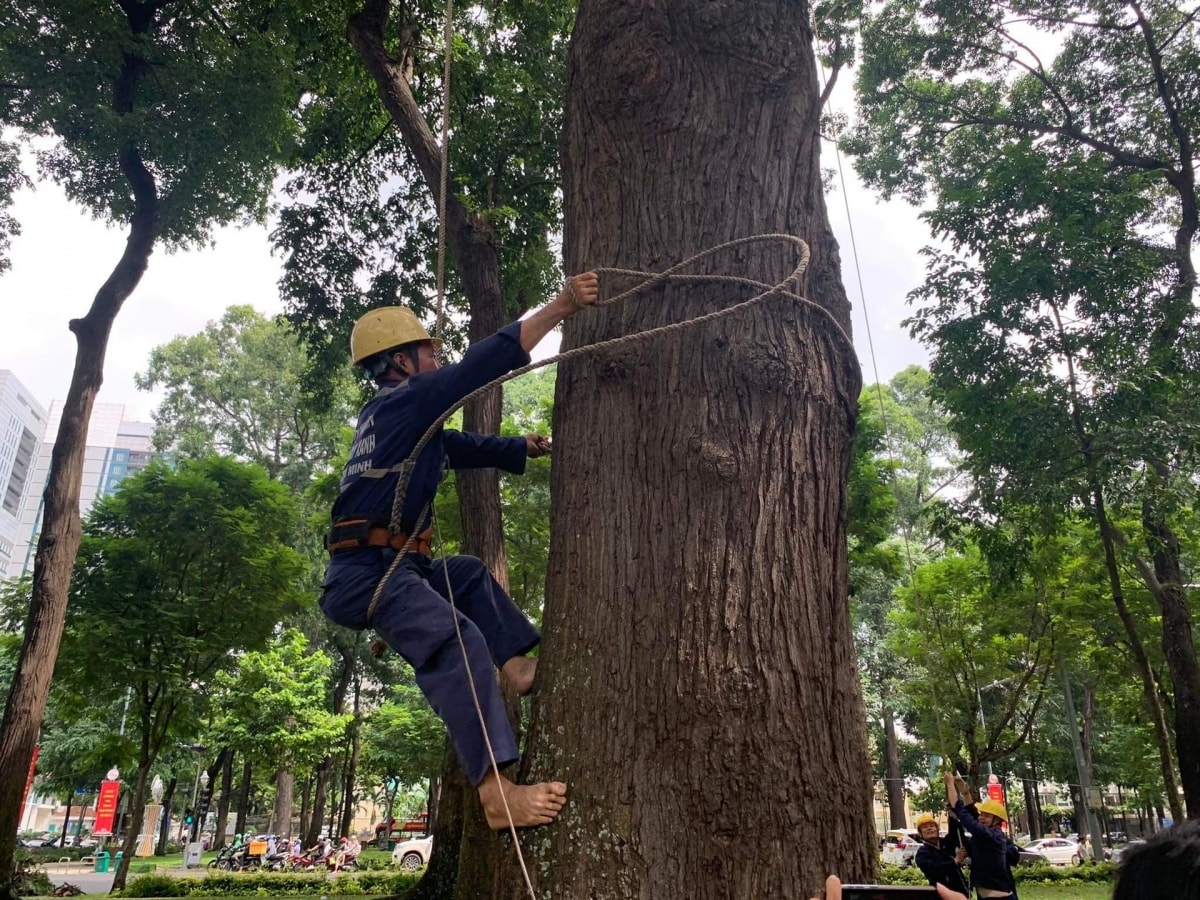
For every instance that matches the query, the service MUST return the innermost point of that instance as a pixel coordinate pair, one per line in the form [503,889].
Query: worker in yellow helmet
[990,868]
[413,613]
[939,862]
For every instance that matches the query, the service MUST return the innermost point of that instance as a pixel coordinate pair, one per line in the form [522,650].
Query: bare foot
[529,804]
[520,671]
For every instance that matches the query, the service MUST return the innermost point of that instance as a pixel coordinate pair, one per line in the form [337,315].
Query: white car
[900,846]
[411,855]
[1058,851]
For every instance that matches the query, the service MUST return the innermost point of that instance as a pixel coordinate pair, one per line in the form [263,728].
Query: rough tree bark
[243,799]
[699,692]
[61,531]
[281,814]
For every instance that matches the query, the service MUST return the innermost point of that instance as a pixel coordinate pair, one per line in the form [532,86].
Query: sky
[62,257]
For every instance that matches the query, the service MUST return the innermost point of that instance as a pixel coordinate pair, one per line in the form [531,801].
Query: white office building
[22,426]
[116,447]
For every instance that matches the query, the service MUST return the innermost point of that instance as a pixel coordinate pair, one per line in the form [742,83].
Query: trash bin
[117,858]
[102,861]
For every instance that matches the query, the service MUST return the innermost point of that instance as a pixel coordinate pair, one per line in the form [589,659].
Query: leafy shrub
[28,880]
[155,886]
[271,884]
[1041,873]
[1088,873]
[889,874]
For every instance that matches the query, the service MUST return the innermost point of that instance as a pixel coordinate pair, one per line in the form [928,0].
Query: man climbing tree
[697,690]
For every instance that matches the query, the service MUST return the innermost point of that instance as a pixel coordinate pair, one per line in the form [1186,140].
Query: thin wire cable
[943,743]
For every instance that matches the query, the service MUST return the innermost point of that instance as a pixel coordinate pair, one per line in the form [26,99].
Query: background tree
[178,570]
[237,388]
[272,708]
[964,630]
[126,91]
[403,745]
[1058,143]
[11,179]
[697,629]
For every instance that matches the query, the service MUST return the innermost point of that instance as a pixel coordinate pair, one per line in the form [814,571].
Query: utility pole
[1085,781]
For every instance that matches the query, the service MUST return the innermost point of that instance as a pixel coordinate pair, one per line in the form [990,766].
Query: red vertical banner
[29,782]
[106,807]
[996,792]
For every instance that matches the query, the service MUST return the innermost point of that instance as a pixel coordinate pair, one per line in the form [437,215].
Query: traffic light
[188,816]
[203,802]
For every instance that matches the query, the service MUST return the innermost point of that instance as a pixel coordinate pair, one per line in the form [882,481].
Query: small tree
[178,571]
[273,710]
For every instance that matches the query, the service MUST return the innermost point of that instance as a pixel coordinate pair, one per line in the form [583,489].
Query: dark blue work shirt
[392,422]
[989,852]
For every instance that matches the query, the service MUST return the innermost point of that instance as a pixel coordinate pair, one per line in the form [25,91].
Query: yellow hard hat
[994,807]
[384,328]
[925,819]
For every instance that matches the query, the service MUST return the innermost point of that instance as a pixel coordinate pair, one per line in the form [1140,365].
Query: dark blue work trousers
[416,619]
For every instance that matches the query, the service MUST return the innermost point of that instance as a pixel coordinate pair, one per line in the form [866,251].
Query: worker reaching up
[413,614]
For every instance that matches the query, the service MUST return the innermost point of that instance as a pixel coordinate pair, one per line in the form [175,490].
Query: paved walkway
[85,877]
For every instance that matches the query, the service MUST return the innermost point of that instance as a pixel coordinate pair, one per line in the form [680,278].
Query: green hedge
[1042,873]
[270,885]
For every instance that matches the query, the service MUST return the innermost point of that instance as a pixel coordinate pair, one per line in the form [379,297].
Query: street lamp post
[202,783]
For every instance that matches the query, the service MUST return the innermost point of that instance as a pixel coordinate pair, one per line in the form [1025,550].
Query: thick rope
[650,279]
[487,738]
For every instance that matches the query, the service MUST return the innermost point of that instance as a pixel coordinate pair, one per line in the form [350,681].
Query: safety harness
[357,534]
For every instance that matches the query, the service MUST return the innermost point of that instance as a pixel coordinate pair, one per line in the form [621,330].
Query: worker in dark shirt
[990,868]
[413,613]
[939,862]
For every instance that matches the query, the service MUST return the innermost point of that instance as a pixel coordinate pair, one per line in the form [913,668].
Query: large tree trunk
[1149,680]
[1179,649]
[305,809]
[160,848]
[699,692]
[1033,800]
[349,664]
[61,531]
[67,816]
[223,802]
[282,813]
[893,782]
[243,800]
[1109,538]
[133,824]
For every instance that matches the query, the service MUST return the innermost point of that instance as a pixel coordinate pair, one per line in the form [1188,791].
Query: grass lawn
[1064,891]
